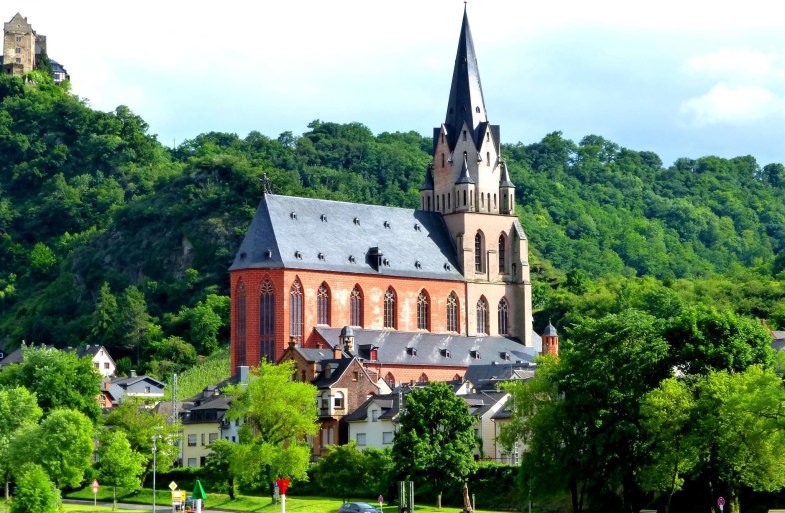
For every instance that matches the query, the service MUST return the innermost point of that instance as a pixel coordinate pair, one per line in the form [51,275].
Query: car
[358,507]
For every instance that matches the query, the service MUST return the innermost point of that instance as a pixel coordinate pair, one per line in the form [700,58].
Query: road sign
[173,486]
[283,484]
[95,486]
[721,502]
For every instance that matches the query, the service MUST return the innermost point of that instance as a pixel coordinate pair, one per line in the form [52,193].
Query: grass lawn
[294,504]
[77,508]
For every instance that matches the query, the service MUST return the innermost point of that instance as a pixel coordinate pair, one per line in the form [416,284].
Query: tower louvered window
[296,311]
[452,312]
[503,309]
[241,323]
[267,321]
[389,309]
[356,307]
[478,253]
[502,247]
[482,317]
[323,305]
[422,311]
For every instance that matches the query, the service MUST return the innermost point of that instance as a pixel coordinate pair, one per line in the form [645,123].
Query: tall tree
[18,410]
[118,464]
[135,321]
[35,492]
[219,464]
[279,414]
[59,379]
[435,440]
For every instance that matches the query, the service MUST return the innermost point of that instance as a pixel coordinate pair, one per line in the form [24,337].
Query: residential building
[102,360]
[201,424]
[146,388]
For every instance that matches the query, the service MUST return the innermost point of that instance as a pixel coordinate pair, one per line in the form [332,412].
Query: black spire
[465,176]
[428,184]
[466,101]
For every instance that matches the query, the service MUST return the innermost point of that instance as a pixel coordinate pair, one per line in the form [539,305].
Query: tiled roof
[434,349]
[322,235]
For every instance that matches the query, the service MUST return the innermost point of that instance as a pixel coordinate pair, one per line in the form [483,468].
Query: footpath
[140,507]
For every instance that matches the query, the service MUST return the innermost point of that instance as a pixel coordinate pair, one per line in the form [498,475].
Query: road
[141,507]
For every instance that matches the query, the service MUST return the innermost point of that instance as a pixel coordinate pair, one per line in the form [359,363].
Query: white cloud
[724,103]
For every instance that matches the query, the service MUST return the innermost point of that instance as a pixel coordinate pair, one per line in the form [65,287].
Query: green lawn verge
[294,504]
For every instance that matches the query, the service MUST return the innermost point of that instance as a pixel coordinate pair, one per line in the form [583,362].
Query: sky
[681,78]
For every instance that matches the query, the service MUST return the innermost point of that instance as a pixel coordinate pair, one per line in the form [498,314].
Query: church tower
[468,183]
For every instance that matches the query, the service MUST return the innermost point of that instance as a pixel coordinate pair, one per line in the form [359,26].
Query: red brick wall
[340,286]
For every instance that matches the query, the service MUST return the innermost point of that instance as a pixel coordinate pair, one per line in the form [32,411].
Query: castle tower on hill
[23,49]
[468,183]
[425,292]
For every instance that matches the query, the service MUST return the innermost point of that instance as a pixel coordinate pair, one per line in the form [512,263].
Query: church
[417,295]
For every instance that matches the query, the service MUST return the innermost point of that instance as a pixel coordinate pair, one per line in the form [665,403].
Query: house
[484,406]
[201,424]
[426,291]
[343,383]
[146,388]
[102,360]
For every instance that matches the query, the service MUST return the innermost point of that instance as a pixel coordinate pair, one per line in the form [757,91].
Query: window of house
[503,316]
[464,135]
[267,321]
[95,365]
[18,50]
[241,313]
[302,376]
[323,305]
[202,461]
[482,317]
[389,379]
[389,309]
[18,38]
[374,415]
[191,440]
[296,310]
[191,462]
[452,312]
[387,437]
[146,390]
[18,60]
[106,365]
[355,376]
[488,157]
[422,311]
[234,438]
[478,267]
[361,439]
[356,307]
[338,400]
[212,437]
[203,439]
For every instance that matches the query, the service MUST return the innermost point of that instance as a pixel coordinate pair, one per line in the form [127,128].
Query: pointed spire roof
[428,183]
[550,330]
[504,179]
[465,176]
[466,102]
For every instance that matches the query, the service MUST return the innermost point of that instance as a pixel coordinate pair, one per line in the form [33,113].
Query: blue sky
[680,78]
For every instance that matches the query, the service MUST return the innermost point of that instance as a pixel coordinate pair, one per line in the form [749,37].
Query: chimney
[337,351]
[242,374]
[292,342]
[132,373]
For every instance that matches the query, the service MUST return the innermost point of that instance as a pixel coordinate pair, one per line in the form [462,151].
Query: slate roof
[489,377]
[395,347]
[387,402]
[323,235]
[481,402]
[779,340]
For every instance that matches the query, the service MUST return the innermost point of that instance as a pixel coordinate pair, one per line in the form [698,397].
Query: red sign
[283,484]
[95,486]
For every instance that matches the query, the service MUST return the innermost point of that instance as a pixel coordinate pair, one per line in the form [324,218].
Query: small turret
[506,191]
[426,191]
[550,341]
[464,189]
[346,339]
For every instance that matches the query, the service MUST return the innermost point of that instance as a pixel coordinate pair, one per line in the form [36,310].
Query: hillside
[109,237]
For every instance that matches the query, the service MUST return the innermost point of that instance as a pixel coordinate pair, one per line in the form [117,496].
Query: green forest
[109,237]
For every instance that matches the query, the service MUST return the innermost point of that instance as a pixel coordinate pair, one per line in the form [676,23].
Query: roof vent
[416,227]
[386,262]
[446,353]
[298,255]
[352,259]
[243,255]
[411,351]
[474,353]
[268,254]
[321,256]
[293,215]
[505,356]
[417,264]
[375,258]
[447,267]
[357,221]
[323,217]
[387,224]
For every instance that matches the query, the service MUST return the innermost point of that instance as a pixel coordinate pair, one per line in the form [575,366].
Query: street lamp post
[155,449]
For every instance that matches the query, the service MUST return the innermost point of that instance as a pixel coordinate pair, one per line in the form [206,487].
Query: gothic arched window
[423,317]
[502,253]
[323,305]
[241,323]
[503,309]
[478,251]
[267,321]
[356,307]
[389,309]
[482,317]
[296,310]
[452,312]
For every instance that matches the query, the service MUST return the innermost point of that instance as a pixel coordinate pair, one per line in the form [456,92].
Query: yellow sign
[173,486]
[178,495]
